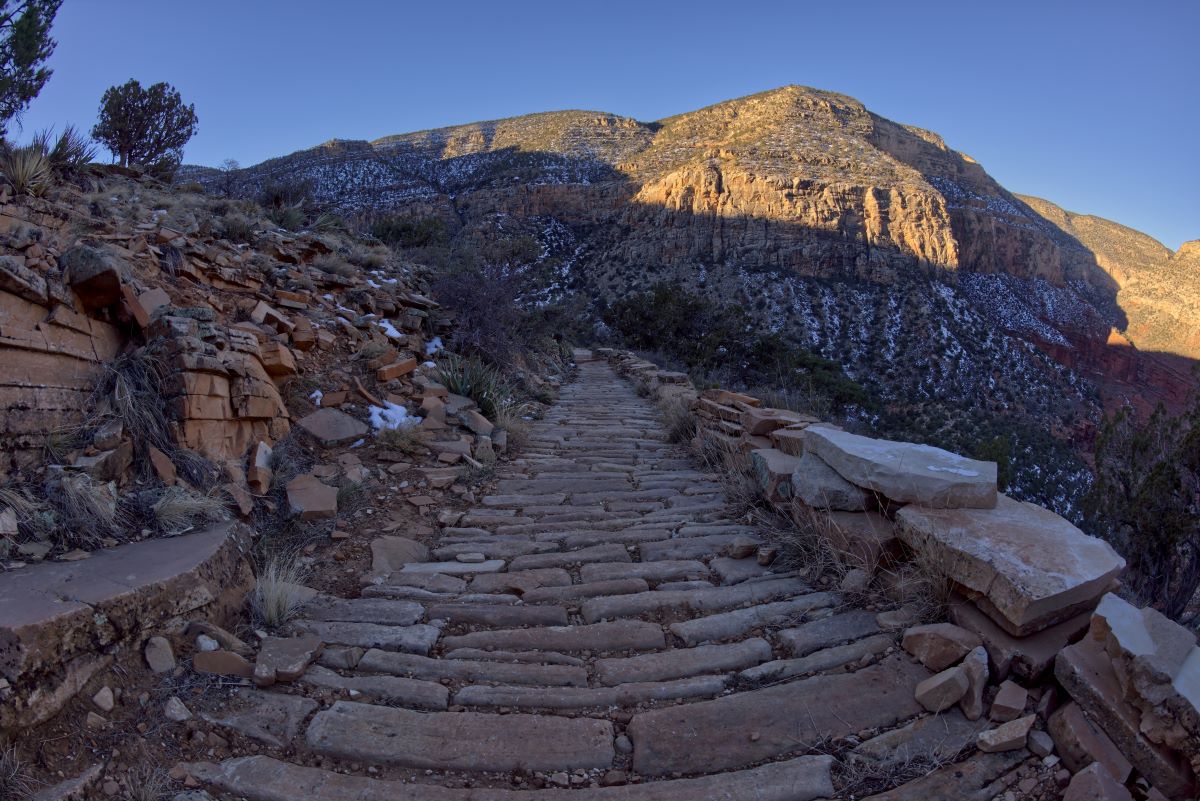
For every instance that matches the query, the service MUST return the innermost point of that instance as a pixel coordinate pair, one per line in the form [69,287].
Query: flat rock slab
[593,589]
[969,780]
[385,689]
[666,570]
[331,426]
[417,639]
[686,547]
[820,486]
[680,663]
[362,610]
[499,615]
[825,659]
[270,718]
[390,553]
[559,698]
[1033,567]
[717,735]
[455,568]
[612,552]
[827,631]
[262,778]
[620,635]
[1027,657]
[905,472]
[935,737]
[460,740]
[710,600]
[522,581]
[726,625]
[461,669]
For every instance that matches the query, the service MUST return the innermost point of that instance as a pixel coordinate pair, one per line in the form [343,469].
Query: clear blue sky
[1094,105]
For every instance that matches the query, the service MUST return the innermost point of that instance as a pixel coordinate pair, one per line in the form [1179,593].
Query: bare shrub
[238,228]
[510,417]
[132,385]
[278,591]
[333,264]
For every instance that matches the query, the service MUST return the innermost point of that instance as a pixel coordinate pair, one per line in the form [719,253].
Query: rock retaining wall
[1117,685]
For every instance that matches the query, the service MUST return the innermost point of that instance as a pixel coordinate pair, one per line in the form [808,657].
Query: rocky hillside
[966,309]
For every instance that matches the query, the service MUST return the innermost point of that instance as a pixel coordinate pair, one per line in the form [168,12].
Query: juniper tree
[25,44]
[145,126]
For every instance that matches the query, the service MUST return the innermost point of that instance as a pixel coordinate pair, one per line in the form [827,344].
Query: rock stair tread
[599,524]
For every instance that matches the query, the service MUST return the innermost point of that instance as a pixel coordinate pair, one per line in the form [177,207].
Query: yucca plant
[26,169]
[470,377]
[70,151]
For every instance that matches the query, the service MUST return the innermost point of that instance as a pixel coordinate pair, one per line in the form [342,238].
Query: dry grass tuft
[146,783]
[15,781]
[178,510]
[278,591]
[404,439]
[679,419]
[859,777]
[733,468]
[87,510]
[511,418]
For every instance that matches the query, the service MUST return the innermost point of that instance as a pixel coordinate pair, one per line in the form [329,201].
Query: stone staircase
[613,637]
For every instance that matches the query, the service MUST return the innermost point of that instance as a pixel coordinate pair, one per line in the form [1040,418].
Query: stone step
[774,721]
[420,667]
[384,689]
[493,549]
[832,630]
[591,590]
[455,568]
[470,741]
[418,639]
[620,635]
[559,698]
[684,547]
[530,657]
[665,570]
[681,663]
[598,553]
[728,625]
[585,538]
[825,659]
[499,615]
[362,610]
[520,581]
[706,600]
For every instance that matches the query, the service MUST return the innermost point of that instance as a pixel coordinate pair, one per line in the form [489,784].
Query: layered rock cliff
[870,242]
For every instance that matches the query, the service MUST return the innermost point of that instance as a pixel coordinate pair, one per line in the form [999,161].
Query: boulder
[1080,743]
[1157,663]
[1009,703]
[1027,567]
[310,499]
[939,645]
[759,422]
[905,472]
[976,665]
[94,275]
[943,690]
[389,554]
[1007,737]
[333,427]
[1094,783]
[773,470]
[1025,657]
[821,487]
[259,472]
[285,658]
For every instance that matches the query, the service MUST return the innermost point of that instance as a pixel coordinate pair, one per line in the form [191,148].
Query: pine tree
[25,44]
[145,126]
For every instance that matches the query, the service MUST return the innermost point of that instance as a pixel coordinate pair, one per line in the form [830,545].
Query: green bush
[408,231]
[723,344]
[470,377]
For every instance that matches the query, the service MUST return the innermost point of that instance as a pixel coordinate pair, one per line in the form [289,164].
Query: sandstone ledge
[56,617]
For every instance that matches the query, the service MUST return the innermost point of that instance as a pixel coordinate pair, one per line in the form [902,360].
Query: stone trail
[608,648]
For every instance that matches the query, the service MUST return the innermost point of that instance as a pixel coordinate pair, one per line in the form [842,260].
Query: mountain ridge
[864,240]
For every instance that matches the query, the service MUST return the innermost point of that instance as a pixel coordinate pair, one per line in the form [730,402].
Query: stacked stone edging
[1032,588]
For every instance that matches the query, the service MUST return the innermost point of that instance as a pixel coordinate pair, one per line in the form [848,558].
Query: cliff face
[865,240]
